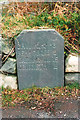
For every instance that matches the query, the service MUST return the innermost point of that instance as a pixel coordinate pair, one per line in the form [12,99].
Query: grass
[74,85]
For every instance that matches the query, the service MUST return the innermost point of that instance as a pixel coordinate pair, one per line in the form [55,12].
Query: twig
[8,54]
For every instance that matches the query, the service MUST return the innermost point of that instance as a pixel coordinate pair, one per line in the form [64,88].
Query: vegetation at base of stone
[64,17]
[74,85]
[38,98]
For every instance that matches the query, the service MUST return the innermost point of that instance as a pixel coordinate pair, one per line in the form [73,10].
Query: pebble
[64,114]
[60,111]
[33,108]
[40,103]
[67,98]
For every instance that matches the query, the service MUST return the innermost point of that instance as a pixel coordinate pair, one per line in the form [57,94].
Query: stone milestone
[40,58]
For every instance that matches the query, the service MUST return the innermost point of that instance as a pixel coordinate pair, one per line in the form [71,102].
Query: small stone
[37,113]
[33,108]
[62,94]
[60,111]
[40,103]
[64,114]
[9,66]
[6,47]
[72,63]
[67,98]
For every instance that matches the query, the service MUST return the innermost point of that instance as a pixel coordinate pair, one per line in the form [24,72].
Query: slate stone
[40,58]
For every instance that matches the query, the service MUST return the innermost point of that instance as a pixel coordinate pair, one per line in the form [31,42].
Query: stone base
[72,77]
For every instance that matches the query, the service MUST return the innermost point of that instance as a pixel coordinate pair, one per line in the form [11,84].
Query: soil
[64,108]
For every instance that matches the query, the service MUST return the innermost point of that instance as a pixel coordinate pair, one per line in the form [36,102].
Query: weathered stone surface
[8,81]
[6,47]
[72,63]
[72,77]
[9,66]
[40,58]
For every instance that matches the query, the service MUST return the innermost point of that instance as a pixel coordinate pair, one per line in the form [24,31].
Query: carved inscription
[43,56]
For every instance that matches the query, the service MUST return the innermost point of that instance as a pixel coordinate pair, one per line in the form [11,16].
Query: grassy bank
[64,17]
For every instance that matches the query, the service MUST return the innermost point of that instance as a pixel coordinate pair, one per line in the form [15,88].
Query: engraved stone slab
[40,58]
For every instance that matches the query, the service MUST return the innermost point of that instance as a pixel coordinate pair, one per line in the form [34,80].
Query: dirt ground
[64,108]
